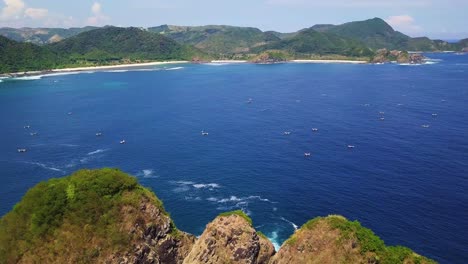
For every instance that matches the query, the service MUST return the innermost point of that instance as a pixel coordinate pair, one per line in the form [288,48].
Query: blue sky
[445,19]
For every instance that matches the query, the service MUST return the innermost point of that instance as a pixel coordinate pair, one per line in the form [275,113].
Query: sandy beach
[330,61]
[120,66]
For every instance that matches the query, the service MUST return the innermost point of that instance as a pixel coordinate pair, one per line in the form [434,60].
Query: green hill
[375,33]
[310,42]
[89,217]
[110,44]
[19,57]
[217,39]
[41,36]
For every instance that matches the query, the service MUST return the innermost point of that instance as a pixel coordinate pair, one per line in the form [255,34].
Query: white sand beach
[330,61]
[120,66]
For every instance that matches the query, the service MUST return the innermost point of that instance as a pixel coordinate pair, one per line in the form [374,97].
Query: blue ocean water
[404,181]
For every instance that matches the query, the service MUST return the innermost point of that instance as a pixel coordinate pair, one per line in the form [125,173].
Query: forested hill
[103,46]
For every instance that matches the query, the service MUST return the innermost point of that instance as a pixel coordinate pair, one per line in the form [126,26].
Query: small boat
[382,118]
[28,126]
[382,113]
[33,134]
[123,141]
[98,134]
[307,154]
[204,133]
[315,129]
[22,150]
[351,146]
[434,115]
[425,126]
[287,133]
[250,101]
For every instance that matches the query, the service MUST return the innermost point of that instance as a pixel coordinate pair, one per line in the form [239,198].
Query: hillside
[41,36]
[105,216]
[309,42]
[116,44]
[18,57]
[377,34]
[217,39]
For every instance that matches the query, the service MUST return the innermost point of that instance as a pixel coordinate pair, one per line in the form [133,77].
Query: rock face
[384,56]
[336,240]
[104,216]
[231,239]
[155,238]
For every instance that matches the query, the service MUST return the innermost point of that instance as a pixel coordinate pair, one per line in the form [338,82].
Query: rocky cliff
[104,216]
[384,56]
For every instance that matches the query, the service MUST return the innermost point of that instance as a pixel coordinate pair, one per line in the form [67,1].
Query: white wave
[174,68]
[209,185]
[183,188]
[70,145]
[293,225]
[198,186]
[97,152]
[184,182]
[236,199]
[273,237]
[1,80]
[27,78]
[148,173]
[42,165]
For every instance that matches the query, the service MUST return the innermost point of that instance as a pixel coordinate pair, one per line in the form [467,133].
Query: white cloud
[404,23]
[98,17]
[36,13]
[13,9]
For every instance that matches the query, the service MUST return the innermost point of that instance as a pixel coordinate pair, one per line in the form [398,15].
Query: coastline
[147,64]
[329,61]
[90,68]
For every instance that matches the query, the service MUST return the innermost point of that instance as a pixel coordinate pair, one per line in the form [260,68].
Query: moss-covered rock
[334,239]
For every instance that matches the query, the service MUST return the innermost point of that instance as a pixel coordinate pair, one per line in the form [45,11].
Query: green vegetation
[239,213]
[103,46]
[310,42]
[18,57]
[86,205]
[114,44]
[217,40]
[260,234]
[367,240]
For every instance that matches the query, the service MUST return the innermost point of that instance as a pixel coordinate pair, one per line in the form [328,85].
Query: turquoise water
[404,181]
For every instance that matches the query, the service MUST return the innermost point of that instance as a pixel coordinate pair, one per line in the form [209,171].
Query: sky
[444,19]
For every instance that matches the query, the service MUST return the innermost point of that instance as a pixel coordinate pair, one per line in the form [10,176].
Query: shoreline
[329,61]
[147,64]
[90,68]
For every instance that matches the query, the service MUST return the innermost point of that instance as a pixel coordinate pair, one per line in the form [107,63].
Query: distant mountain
[41,36]
[18,57]
[117,44]
[310,41]
[377,34]
[217,39]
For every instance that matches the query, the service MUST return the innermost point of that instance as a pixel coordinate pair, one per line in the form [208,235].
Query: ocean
[406,177]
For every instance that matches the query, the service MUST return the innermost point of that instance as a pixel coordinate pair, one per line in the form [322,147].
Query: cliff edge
[105,216]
